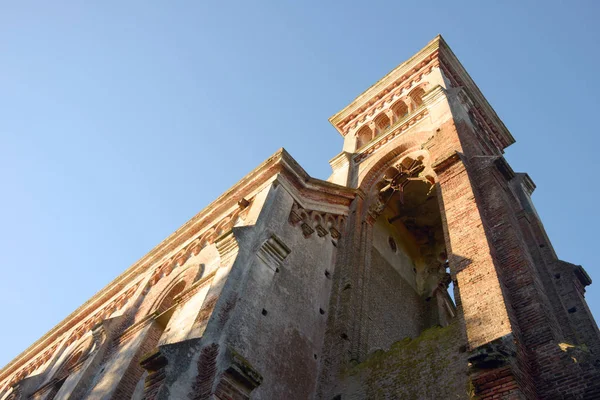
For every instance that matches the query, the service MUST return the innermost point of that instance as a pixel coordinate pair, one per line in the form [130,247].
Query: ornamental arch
[403,250]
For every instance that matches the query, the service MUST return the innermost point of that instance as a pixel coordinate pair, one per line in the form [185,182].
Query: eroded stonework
[291,287]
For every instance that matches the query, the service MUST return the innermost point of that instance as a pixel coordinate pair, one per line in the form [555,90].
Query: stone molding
[273,252]
[227,247]
[311,221]
[340,160]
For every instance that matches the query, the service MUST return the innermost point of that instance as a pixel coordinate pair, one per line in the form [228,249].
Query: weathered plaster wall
[279,320]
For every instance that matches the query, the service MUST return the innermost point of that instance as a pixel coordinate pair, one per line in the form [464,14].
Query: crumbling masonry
[291,287]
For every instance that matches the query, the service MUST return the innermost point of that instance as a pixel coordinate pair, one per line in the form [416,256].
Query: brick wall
[134,372]
[395,311]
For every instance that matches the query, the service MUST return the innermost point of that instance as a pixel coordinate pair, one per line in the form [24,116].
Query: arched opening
[141,372]
[60,376]
[416,97]
[169,299]
[363,136]
[407,290]
[400,109]
[382,122]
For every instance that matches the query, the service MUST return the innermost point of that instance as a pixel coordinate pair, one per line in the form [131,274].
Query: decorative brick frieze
[314,221]
[402,85]
[211,235]
[401,127]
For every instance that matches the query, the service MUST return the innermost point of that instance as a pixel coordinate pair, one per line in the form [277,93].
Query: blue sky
[121,120]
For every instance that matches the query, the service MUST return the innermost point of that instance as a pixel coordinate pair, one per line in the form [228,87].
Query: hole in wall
[451,285]
[344,336]
[321,311]
[542,246]
[264,312]
[392,244]
[557,276]
[572,310]
[315,356]
[327,274]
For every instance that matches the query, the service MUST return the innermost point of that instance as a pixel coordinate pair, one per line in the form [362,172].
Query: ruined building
[292,287]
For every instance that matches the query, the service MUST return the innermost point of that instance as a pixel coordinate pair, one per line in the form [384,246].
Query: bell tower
[439,203]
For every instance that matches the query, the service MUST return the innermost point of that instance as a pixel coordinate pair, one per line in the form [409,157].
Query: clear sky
[121,120]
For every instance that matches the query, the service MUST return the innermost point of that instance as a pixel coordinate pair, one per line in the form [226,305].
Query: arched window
[417,96]
[382,122]
[60,376]
[149,346]
[400,109]
[168,301]
[363,136]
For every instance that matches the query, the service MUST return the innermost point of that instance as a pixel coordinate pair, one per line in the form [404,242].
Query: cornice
[437,53]
[280,162]
[340,160]
[527,182]
[405,75]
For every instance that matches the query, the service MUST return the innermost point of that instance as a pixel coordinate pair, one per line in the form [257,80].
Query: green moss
[471,390]
[436,335]
[423,367]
